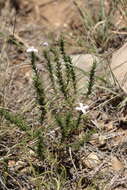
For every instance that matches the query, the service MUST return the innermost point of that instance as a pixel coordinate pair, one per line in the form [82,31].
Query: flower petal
[82,108]
[31,49]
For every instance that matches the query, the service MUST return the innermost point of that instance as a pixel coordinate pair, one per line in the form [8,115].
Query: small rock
[98,140]
[83,64]
[119,66]
[116,164]
[19,165]
[91,161]
[32,153]
[109,126]
[11,163]
[102,140]
[120,188]
[84,61]
[26,170]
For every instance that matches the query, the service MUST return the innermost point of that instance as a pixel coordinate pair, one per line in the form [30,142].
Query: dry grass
[45,143]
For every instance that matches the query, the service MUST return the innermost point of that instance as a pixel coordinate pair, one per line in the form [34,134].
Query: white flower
[82,108]
[45,44]
[31,49]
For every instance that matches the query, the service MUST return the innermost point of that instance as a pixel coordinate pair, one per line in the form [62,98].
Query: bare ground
[29,23]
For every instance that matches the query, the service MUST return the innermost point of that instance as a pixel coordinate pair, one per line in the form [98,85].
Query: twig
[2,183]
[70,152]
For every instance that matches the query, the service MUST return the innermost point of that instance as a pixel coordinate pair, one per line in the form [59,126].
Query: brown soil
[32,22]
[37,21]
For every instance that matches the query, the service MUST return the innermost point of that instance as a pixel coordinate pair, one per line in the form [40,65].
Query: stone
[84,61]
[102,140]
[91,161]
[116,164]
[83,64]
[119,66]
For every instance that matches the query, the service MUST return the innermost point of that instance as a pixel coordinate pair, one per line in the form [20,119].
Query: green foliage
[14,119]
[60,127]
[61,71]
[41,148]
[64,129]
[78,120]
[68,124]
[91,78]
[50,69]
[65,59]
[39,88]
[70,73]
[59,74]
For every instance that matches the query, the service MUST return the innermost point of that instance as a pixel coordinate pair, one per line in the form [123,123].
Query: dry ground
[101,163]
